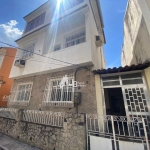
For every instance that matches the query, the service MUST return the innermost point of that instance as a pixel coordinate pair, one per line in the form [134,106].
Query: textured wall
[71,137]
[88,103]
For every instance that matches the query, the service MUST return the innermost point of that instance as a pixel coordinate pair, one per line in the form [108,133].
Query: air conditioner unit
[98,41]
[20,63]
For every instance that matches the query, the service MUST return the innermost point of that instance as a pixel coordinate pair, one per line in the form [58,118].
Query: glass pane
[111,83]
[110,78]
[134,81]
[128,76]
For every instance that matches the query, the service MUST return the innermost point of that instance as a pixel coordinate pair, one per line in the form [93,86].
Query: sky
[12,24]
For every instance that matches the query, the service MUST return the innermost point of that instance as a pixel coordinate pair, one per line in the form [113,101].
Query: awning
[122,69]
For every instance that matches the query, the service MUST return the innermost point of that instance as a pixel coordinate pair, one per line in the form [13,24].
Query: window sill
[19,103]
[69,104]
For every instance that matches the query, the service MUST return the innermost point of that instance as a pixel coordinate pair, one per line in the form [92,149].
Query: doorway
[114,102]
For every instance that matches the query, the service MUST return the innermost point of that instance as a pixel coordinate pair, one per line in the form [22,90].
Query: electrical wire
[38,54]
[32,60]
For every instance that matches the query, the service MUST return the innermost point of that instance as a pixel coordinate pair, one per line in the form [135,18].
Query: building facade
[136,45]
[60,39]
[54,86]
[7,56]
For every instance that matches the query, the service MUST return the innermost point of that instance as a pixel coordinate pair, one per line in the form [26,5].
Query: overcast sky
[12,24]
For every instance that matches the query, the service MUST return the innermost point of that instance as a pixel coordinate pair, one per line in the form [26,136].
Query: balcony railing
[44,117]
[9,113]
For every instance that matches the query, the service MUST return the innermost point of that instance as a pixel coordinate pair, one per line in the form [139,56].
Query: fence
[44,117]
[118,128]
[9,113]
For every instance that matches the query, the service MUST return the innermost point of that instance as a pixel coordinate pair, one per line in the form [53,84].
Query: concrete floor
[8,143]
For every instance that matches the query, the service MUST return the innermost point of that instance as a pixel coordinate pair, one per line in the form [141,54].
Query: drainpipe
[75,76]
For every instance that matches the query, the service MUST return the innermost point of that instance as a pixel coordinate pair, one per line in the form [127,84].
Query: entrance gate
[116,133]
[122,132]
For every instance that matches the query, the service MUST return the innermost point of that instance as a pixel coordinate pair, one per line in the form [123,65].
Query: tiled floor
[12,144]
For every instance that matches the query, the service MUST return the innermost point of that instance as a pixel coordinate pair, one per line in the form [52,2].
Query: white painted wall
[82,54]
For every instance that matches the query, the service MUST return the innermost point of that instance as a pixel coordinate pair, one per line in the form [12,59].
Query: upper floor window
[66,5]
[75,38]
[28,50]
[1,58]
[35,22]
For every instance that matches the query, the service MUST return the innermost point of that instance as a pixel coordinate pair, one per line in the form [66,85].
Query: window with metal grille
[28,50]
[23,92]
[75,38]
[60,94]
[35,22]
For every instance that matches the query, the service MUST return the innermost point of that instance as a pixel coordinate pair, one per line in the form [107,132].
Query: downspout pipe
[75,77]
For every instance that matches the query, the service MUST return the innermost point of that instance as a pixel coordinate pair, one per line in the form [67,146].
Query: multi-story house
[7,56]
[60,38]
[63,98]
[61,44]
[136,33]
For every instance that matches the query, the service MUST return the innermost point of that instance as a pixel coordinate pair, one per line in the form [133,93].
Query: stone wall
[71,137]
[88,101]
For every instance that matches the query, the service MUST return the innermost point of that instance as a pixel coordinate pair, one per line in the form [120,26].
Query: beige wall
[88,100]
[136,39]
[147,77]
[148,3]
[99,96]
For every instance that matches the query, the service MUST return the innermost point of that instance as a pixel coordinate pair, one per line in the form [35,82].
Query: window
[76,38]
[35,22]
[1,58]
[56,96]
[23,92]
[70,4]
[57,47]
[28,50]
[125,79]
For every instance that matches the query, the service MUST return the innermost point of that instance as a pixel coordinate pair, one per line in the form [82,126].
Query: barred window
[28,50]
[59,96]
[76,38]
[35,22]
[23,92]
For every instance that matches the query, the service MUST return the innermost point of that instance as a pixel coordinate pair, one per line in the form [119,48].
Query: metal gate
[116,133]
[136,103]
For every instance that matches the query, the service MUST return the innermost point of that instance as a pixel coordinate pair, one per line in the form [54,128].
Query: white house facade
[61,35]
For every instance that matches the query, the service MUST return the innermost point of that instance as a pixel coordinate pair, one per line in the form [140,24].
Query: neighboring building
[136,33]
[7,56]
[59,39]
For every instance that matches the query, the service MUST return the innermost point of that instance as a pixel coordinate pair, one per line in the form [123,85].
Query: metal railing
[44,117]
[9,113]
[118,128]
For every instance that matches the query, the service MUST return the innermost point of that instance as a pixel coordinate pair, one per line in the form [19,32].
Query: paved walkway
[7,143]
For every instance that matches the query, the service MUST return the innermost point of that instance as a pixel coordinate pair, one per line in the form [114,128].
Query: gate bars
[117,128]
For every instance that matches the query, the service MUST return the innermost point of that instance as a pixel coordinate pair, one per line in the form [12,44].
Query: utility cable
[37,54]
[33,60]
